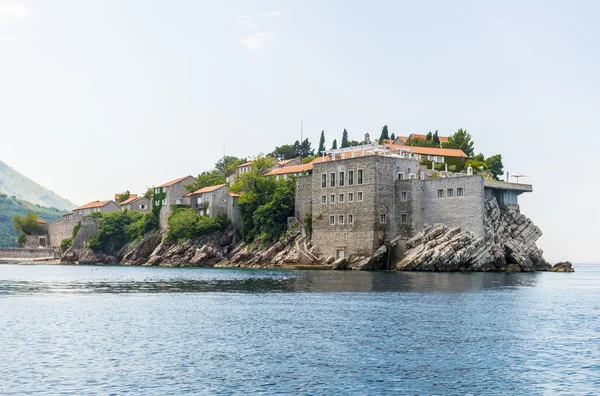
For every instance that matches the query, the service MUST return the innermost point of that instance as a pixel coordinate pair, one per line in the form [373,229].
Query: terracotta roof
[169,184]
[66,214]
[245,164]
[234,194]
[205,190]
[402,138]
[40,221]
[290,169]
[118,195]
[129,200]
[431,150]
[443,139]
[347,154]
[94,204]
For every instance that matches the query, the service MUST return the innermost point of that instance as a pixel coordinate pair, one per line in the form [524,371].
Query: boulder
[563,266]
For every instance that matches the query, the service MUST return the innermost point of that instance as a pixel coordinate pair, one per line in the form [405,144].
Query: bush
[187,224]
[119,228]
[66,244]
[308,223]
[21,239]
[93,243]
[76,229]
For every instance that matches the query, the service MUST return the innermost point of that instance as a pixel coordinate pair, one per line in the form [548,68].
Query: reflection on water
[89,280]
[169,331]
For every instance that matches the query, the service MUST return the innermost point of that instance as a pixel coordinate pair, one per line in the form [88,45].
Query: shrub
[76,229]
[119,228]
[21,239]
[187,224]
[66,244]
[308,223]
[93,243]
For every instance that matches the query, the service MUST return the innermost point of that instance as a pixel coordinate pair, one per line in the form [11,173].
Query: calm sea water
[157,331]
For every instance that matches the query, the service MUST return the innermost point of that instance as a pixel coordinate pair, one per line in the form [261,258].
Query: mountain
[12,183]
[10,207]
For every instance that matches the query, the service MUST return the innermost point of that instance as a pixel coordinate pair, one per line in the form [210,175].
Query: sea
[109,330]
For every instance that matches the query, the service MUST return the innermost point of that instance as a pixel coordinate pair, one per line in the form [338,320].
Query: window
[351,197]
[400,176]
[323,199]
[323,180]
[333,180]
[404,196]
[417,156]
[360,177]
[450,192]
[341,219]
[341,198]
[403,218]
[459,192]
[429,158]
[350,177]
[164,201]
[332,198]
[441,193]
[350,219]
[143,207]
[157,191]
[342,179]
[412,176]
[332,220]
[360,196]
[382,218]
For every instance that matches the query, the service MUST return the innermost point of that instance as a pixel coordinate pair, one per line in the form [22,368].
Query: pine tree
[322,143]
[428,137]
[393,137]
[334,144]
[436,139]
[344,138]
[384,133]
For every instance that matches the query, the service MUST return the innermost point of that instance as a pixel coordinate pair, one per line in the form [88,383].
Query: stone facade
[139,204]
[209,201]
[396,199]
[24,253]
[62,229]
[233,210]
[36,241]
[171,193]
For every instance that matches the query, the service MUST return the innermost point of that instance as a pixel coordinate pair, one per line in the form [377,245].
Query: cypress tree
[334,144]
[322,143]
[384,133]
[393,136]
[344,138]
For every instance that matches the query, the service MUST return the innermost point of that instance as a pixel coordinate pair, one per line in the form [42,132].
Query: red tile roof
[40,221]
[245,164]
[431,151]
[169,184]
[205,190]
[131,198]
[290,169]
[94,204]
[234,194]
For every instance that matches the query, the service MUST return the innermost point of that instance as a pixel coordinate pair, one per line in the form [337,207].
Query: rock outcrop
[508,245]
[563,266]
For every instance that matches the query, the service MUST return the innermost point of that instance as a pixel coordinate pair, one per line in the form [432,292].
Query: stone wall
[173,193]
[35,241]
[466,212]
[233,211]
[61,229]
[135,205]
[303,197]
[89,226]
[24,253]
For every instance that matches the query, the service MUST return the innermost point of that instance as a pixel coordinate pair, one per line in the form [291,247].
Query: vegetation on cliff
[187,224]
[118,228]
[265,203]
[11,207]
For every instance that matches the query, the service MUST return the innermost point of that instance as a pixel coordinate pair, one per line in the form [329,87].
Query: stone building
[137,204]
[168,194]
[361,200]
[210,201]
[96,206]
[291,170]
[40,238]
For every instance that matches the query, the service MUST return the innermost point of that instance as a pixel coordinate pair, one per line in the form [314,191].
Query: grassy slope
[10,207]
[14,183]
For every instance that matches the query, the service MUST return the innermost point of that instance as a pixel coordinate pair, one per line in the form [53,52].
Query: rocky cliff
[508,245]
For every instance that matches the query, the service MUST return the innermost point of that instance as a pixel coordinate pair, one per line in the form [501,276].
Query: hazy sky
[97,97]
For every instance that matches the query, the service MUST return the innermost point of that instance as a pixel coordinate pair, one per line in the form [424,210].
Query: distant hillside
[14,183]
[10,207]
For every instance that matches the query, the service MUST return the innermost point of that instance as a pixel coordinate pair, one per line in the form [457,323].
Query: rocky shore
[508,245]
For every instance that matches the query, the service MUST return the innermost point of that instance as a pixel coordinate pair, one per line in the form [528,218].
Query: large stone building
[137,204]
[210,201]
[361,200]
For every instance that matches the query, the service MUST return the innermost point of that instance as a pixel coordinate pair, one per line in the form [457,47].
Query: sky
[99,97]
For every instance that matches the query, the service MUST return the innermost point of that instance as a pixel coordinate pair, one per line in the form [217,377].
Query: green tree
[303,149]
[205,179]
[226,165]
[384,133]
[334,144]
[321,143]
[124,196]
[393,137]
[28,225]
[344,139]
[270,218]
[494,166]
[286,151]
[429,136]
[149,193]
[461,140]
[435,138]
[353,143]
